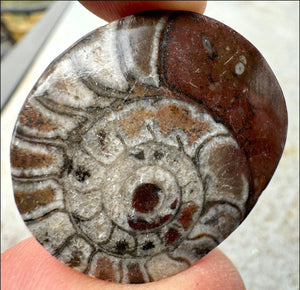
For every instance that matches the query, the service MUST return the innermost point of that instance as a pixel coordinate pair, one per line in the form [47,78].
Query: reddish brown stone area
[137,35]
[172,117]
[33,119]
[174,204]
[145,197]
[224,73]
[223,221]
[27,201]
[171,236]
[135,274]
[186,215]
[145,144]
[143,225]
[135,120]
[228,164]
[105,269]
[169,117]
[21,158]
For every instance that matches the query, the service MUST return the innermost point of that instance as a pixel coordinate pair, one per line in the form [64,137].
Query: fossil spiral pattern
[145,144]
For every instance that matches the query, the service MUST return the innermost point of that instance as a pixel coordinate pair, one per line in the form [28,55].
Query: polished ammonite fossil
[146,144]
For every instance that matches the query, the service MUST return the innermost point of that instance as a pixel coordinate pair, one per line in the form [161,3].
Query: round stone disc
[145,144]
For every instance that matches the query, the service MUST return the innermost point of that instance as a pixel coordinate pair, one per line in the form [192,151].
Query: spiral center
[145,197]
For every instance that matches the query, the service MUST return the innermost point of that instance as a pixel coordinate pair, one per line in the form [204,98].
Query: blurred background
[265,248]
[17,18]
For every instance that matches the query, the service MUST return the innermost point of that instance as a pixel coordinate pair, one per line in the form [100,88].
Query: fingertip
[214,271]
[217,271]
[112,10]
[28,265]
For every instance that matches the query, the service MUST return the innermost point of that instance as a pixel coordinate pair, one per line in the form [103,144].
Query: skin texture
[28,265]
[112,10]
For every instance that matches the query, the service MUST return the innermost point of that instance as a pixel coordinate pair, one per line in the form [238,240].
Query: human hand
[28,265]
[113,10]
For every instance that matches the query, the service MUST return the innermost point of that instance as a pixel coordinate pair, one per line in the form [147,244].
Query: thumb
[27,265]
[112,10]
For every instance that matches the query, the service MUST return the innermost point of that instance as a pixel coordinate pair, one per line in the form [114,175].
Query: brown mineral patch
[135,275]
[105,269]
[33,119]
[168,117]
[174,117]
[141,90]
[145,197]
[249,101]
[75,261]
[186,215]
[174,204]
[171,236]
[21,158]
[133,123]
[141,224]
[141,40]
[27,201]
[60,85]
[228,164]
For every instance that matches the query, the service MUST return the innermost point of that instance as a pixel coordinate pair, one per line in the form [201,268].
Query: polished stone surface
[249,242]
[146,143]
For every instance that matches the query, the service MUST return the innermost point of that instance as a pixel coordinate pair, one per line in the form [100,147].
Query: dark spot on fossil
[28,122]
[148,245]
[68,165]
[146,197]
[173,204]
[139,155]
[75,259]
[81,174]
[76,219]
[171,236]
[101,134]
[121,246]
[141,224]
[218,119]
[39,122]
[200,252]
[158,155]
